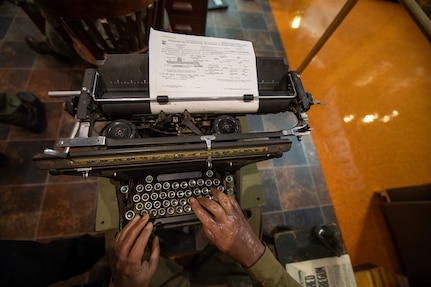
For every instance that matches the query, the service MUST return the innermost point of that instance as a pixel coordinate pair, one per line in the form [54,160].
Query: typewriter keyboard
[168,195]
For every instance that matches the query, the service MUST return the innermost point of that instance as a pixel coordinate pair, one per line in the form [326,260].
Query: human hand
[226,227]
[129,269]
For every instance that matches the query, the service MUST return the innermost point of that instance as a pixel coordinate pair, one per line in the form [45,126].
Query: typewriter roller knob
[225,125]
[121,129]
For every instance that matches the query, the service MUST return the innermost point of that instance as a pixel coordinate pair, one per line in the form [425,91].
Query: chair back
[100,27]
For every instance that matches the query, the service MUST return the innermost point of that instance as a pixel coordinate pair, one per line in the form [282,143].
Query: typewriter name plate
[168,195]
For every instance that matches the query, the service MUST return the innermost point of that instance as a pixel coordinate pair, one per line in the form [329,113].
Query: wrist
[255,255]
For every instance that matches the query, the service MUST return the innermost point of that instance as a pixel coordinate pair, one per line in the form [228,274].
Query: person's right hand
[226,227]
[129,269]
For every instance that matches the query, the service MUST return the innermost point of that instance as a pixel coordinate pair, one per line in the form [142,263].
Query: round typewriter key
[153,212]
[205,190]
[171,210]
[208,182]
[221,188]
[197,192]
[209,173]
[163,195]
[166,203]
[149,179]
[148,205]
[188,193]
[192,183]
[145,197]
[162,211]
[157,204]
[136,198]
[216,182]
[200,182]
[139,188]
[166,185]
[183,201]
[174,202]
[158,186]
[183,184]
[129,215]
[175,185]
[229,191]
[124,189]
[187,208]
[144,212]
[208,196]
[229,178]
[179,209]
[171,194]
[180,194]
[154,196]
[139,206]
[148,187]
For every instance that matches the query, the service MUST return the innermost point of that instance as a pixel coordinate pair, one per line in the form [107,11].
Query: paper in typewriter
[206,74]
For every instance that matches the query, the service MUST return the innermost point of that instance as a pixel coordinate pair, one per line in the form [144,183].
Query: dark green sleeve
[269,272]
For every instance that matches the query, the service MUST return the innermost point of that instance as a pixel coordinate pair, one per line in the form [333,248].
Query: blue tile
[295,156]
[303,218]
[270,190]
[272,220]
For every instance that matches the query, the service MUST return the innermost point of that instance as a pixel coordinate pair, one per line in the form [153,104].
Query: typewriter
[158,161]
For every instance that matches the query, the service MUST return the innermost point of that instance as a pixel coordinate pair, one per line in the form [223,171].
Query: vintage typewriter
[158,161]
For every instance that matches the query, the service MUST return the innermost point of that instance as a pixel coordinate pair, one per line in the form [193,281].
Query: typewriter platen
[158,161]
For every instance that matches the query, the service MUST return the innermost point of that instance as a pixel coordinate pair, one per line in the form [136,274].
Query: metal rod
[60,94]
[419,16]
[327,34]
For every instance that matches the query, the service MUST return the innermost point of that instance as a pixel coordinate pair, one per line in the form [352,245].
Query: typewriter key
[153,212]
[175,185]
[148,187]
[136,198]
[192,183]
[229,178]
[162,211]
[200,182]
[171,194]
[148,205]
[183,185]
[197,192]
[220,187]
[157,204]
[171,210]
[166,203]
[180,194]
[124,189]
[183,201]
[179,209]
[188,193]
[187,208]
[163,195]
[145,197]
[216,181]
[129,215]
[139,206]
[149,179]
[174,202]
[209,173]
[158,186]
[154,196]
[166,185]
[144,212]
[208,182]
[205,190]
[139,188]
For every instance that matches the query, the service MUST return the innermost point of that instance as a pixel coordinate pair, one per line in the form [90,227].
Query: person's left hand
[129,269]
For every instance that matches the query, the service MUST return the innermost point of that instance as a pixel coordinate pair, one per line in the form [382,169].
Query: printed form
[202,74]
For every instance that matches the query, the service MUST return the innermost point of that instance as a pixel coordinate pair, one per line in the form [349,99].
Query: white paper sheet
[190,67]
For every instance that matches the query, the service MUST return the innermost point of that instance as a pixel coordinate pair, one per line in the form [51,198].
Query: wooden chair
[99,27]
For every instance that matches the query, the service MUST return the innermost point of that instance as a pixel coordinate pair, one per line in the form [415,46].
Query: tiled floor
[38,206]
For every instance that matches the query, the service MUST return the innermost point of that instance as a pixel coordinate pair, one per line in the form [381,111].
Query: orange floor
[374,74]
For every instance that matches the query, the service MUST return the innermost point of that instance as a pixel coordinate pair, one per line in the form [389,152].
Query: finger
[155,255]
[138,248]
[201,213]
[223,199]
[130,236]
[213,207]
[123,233]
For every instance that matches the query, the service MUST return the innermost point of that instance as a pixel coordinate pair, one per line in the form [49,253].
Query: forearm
[269,272]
